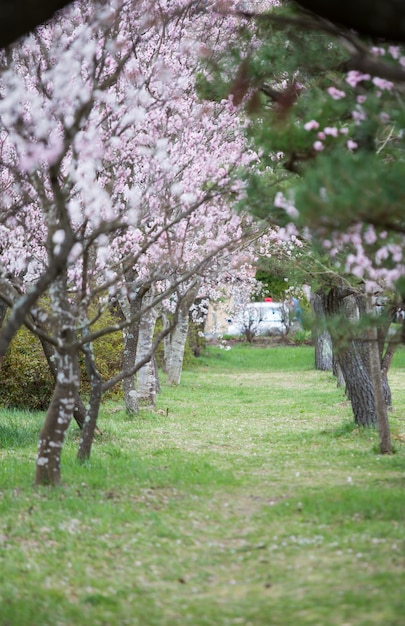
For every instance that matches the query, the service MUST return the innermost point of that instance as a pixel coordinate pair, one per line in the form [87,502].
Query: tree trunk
[337,372]
[361,360]
[56,423]
[60,411]
[373,348]
[196,337]
[385,445]
[178,337]
[128,360]
[386,348]
[130,308]
[3,312]
[90,421]
[385,365]
[321,335]
[79,412]
[359,387]
[350,353]
[146,376]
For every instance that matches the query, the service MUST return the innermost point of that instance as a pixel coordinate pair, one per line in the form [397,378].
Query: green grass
[247,497]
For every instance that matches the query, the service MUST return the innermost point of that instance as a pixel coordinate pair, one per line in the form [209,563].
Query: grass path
[247,497]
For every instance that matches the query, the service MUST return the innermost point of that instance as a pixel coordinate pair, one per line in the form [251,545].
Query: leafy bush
[26,381]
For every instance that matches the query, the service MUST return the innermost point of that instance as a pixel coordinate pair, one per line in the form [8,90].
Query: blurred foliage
[272,286]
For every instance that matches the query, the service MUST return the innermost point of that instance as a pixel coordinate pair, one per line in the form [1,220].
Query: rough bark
[376,344]
[156,370]
[175,347]
[174,357]
[385,365]
[350,354]
[321,336]
[58,418]
[3,312]
[166,340]
[359,387]
[387,348]
[362,362]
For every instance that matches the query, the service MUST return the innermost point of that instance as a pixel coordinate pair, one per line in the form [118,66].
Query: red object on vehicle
[268,299]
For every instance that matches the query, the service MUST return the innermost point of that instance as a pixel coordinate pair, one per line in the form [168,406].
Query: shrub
[25,378]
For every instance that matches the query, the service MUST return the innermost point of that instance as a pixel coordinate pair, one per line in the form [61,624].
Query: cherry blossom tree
[113,176]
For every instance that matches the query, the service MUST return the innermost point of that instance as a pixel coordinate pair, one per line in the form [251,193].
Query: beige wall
[218,313]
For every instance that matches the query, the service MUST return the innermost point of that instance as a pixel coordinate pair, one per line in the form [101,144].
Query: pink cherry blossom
[352,145]
[311,125]
[331,130]
[336,94]
[355,77]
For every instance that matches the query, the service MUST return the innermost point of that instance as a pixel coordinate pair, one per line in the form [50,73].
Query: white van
[260,318]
